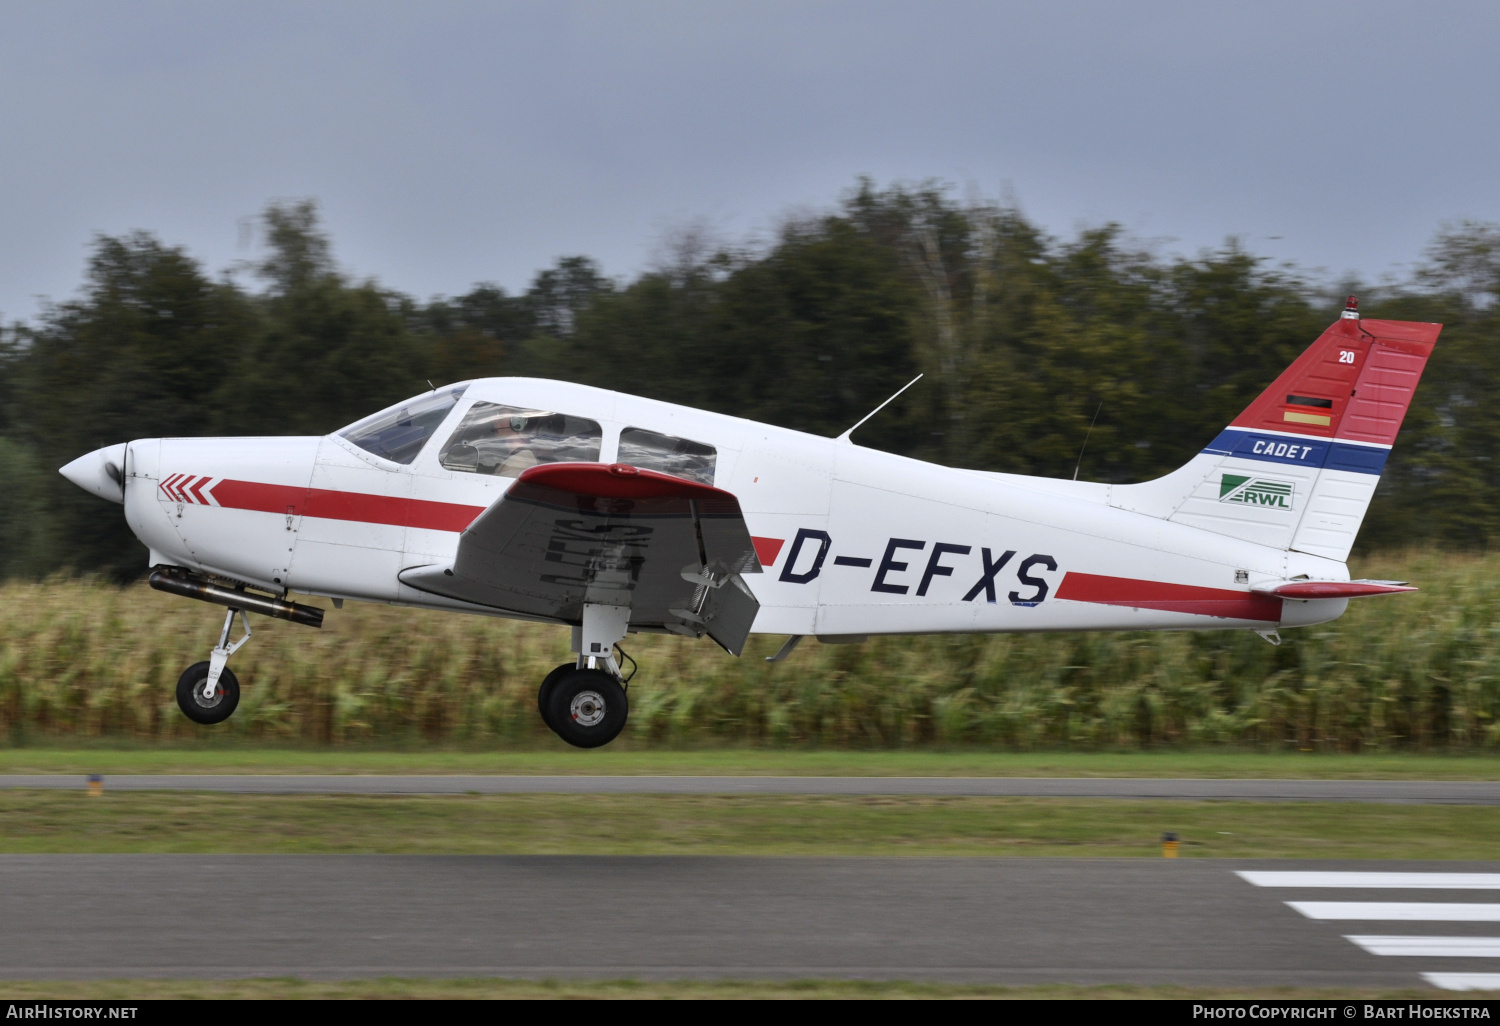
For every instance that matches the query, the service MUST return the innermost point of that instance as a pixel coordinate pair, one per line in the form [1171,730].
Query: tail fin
[1298,468]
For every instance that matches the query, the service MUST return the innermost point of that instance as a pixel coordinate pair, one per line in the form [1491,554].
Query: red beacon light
[1351,309]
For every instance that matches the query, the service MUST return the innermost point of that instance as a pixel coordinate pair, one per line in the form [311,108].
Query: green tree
[144,352]
[1443,479]
[810,336]
[325,351]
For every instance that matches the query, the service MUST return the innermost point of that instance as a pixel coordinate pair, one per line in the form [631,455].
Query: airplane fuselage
[853,541]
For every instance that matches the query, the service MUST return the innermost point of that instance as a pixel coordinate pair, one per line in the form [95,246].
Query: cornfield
[86,660]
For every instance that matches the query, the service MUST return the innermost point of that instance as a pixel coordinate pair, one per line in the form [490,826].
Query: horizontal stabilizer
[1334,589]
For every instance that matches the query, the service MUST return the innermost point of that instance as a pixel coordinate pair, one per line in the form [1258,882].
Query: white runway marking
[1404,881]
[1402,911]
[1408,911]
[1428,947]
[1464,981]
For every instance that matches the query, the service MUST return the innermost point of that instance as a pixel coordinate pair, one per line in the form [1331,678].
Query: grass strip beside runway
[128,990]
[231,757]
[37,822]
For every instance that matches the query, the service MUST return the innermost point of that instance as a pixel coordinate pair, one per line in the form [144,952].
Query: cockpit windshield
[398,433]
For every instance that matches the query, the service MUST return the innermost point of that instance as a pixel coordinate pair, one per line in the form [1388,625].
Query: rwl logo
[1255,491]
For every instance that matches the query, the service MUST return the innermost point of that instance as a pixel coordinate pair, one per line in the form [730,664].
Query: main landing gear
[584,702]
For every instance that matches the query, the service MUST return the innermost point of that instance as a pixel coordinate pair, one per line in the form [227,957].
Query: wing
[569,534]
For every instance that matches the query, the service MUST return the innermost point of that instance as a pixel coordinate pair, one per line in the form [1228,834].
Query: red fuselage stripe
[359,507]
[767,549]
[1175,598]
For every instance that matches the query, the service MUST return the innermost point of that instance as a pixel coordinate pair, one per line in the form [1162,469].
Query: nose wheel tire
[587,708]
[544,693]
[194,706]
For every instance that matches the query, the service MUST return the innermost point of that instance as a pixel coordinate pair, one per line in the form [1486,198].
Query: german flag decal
[1309,413]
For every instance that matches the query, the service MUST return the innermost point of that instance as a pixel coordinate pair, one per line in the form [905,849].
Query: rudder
[1297,469]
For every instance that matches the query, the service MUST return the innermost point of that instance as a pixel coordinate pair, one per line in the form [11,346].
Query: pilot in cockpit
[515,435]
[507,440]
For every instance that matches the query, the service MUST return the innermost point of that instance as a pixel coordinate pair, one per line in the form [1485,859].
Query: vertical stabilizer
[1298,468]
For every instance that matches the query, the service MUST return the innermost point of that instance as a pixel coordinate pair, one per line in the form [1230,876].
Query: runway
[1010,920]
[1432,792]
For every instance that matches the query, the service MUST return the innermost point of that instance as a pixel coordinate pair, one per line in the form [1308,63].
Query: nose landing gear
[202,706]
[209,692]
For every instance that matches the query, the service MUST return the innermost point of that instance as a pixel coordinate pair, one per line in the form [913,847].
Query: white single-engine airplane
[561,503]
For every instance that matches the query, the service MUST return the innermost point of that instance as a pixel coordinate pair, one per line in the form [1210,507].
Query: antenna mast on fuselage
[845,436]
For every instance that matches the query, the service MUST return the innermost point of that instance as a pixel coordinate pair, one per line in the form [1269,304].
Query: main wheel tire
[544,693]
[588,708]
[190,695]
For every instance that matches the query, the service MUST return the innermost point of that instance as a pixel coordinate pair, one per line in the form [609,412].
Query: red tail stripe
[359,507]
[1382,395]
[1176,598]
[1367,370]
[1322,372]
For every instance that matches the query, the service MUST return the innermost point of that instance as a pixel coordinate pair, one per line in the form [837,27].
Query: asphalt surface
[1440,792]
[1011,920]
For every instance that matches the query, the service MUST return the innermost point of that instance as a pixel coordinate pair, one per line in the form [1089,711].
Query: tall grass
[84,660]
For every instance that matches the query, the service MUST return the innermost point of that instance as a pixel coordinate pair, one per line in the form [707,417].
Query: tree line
[1025,340]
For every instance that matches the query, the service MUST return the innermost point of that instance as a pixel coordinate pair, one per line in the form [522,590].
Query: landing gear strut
[584,702]
[209,692]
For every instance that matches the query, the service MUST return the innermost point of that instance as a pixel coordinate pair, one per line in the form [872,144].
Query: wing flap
[568,534]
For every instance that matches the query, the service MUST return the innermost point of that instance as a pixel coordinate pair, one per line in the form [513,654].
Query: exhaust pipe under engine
[197,588]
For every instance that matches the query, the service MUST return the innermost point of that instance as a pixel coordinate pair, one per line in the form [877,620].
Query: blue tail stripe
[1361,459]
[1302,452]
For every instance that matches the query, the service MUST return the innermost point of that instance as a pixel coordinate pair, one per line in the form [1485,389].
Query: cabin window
[398,433]
[505,440]
[679,457]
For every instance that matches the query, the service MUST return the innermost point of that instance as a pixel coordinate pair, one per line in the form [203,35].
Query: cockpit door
[353,530]
[353,533]
[477,457]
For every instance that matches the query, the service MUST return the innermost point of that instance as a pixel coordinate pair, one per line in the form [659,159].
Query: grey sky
[450,143]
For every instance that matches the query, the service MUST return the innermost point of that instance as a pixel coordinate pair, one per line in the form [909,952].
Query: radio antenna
[845,436]
[1086,434]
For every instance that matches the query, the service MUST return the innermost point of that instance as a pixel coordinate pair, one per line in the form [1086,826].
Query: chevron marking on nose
[197,490]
